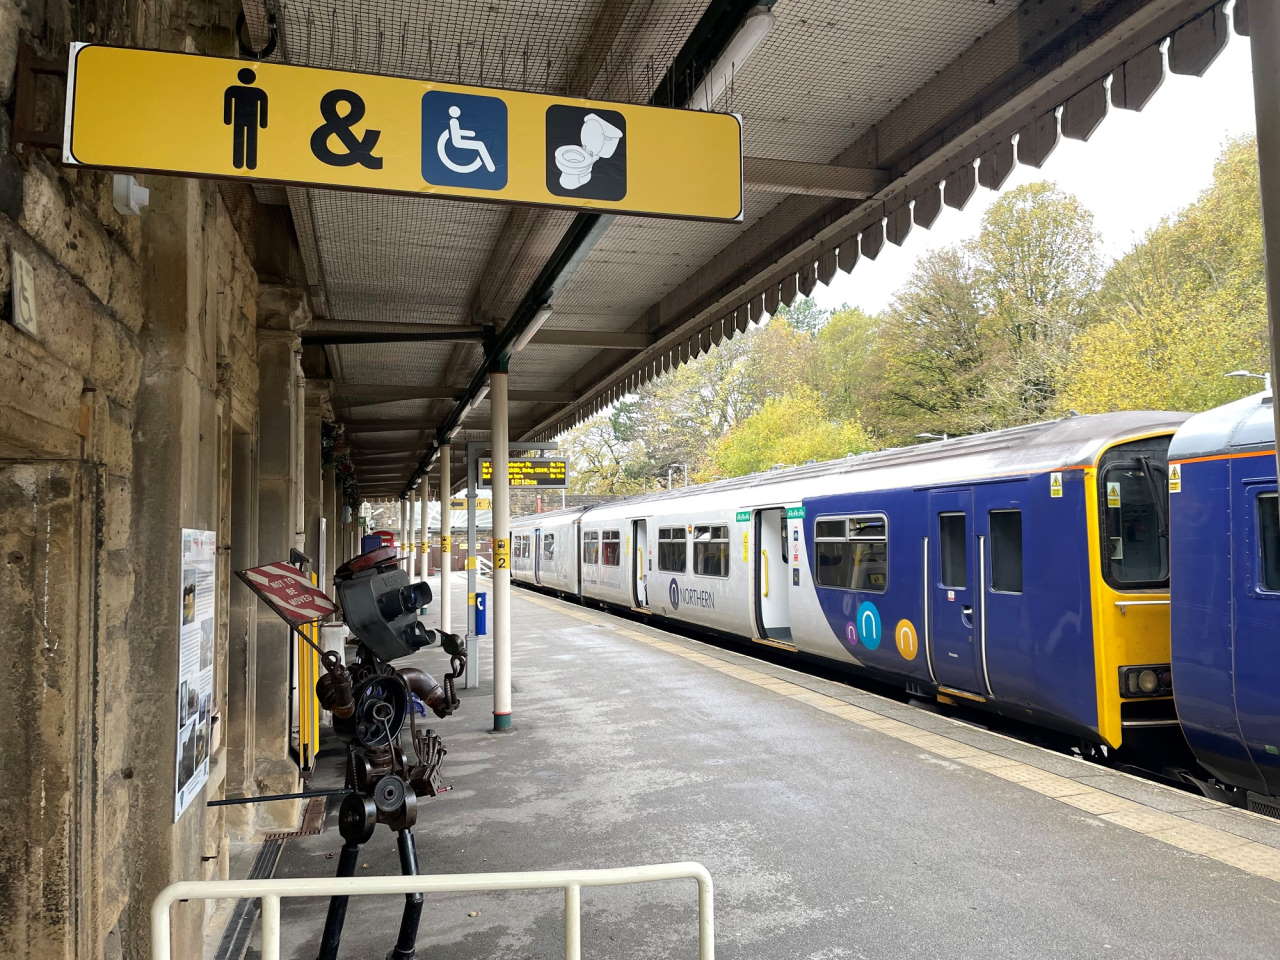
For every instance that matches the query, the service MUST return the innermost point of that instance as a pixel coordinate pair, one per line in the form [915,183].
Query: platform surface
[834,822]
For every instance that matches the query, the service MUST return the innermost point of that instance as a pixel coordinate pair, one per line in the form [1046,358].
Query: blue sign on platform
[464,140]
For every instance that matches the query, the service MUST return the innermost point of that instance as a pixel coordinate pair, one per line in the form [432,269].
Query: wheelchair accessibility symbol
[464,140]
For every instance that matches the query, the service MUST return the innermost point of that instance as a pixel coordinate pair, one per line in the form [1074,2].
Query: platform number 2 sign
[501,555]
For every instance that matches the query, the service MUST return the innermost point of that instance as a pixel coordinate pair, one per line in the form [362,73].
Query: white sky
[1136,168]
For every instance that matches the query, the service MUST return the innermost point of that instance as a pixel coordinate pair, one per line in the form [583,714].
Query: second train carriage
[1025,569]
[1226,596]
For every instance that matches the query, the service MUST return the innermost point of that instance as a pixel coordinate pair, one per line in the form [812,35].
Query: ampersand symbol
[338,124]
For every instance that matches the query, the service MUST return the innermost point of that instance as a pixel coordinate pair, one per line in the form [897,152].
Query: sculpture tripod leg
[356,820]
[405,943]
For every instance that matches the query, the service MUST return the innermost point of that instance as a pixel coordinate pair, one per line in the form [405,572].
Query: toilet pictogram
[586,152]
[464,140]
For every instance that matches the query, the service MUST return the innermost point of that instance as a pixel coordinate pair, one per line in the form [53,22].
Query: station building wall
[163,391]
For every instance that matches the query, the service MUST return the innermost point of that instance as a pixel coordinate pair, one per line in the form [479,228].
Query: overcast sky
[1136,168]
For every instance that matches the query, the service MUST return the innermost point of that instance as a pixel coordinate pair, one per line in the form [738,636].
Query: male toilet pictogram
[462,140]
[244,110]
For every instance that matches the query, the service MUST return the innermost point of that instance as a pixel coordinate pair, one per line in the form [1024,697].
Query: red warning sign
[288,591]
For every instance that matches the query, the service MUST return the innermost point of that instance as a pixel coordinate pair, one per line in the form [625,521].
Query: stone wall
[119,425]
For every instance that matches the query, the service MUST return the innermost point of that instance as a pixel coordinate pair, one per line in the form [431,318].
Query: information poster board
[195,665]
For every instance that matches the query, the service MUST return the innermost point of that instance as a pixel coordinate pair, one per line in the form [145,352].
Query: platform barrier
[271,892]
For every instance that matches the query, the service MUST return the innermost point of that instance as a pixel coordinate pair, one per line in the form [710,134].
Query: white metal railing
[270,892]
[484,567]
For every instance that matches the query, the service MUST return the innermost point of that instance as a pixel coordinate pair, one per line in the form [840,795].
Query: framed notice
[195,665]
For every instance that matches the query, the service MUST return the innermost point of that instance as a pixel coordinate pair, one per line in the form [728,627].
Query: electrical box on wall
[24,295]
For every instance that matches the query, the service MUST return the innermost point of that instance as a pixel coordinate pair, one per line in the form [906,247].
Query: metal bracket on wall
[29,126]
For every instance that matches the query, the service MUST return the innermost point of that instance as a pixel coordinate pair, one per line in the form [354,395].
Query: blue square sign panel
[464,140]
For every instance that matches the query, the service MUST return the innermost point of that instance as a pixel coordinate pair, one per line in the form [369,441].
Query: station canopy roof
[861,118]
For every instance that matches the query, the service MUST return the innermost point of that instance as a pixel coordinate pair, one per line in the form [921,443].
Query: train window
[1269,536]
[953,545]
[853,553]
[1134,496]
[1006,551]
[548,546]
[711,550]
[672,554]
[591,546]
[611,548]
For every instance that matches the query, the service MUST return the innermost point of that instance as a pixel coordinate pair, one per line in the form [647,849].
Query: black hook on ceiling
[243,39]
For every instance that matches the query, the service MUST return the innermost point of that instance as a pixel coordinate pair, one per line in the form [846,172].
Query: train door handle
[966,615]
[764,557]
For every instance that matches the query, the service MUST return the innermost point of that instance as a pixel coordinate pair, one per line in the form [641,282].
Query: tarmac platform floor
[835,823]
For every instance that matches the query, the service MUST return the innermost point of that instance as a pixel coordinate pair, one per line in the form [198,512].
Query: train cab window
[548,546]
[610,548]
[1135,498]
[590,547]
[672,554]
[1269,538]
[953,546]
[1006,551]
[852,553]
[711,550]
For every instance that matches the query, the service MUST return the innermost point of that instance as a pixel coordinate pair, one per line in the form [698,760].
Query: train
[1109,577]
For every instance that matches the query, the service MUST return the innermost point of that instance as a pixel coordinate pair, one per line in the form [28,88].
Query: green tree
[1036,265]
[788,429]
[845,364]
[931,361]
[1184,307]
[805,315]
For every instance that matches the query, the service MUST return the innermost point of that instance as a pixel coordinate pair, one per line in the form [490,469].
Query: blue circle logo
[869,628]
[673,592]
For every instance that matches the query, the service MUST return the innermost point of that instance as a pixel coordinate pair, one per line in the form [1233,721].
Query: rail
[271,892]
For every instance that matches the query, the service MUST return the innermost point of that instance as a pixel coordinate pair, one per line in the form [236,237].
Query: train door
[1002,613]
[772,575]
[640,562]
[1256,577]
[954,591]
[537,555]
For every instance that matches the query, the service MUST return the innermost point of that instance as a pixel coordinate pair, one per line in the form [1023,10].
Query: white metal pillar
[1264,44]
[404,526]
[446,540]
[413,535]
[500,609]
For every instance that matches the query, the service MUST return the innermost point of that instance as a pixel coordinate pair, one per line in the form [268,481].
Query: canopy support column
[501,553]
[446,540]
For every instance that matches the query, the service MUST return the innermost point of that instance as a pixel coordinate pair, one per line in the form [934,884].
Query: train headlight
[1152,680]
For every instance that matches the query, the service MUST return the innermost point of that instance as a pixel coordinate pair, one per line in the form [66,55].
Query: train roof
[1033,448]
[1239,427]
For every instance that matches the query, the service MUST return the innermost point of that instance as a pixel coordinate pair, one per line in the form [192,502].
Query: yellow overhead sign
[238,119]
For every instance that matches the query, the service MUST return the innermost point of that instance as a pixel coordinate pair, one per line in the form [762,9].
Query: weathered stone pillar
[282,311]
[331,509]
[317,409]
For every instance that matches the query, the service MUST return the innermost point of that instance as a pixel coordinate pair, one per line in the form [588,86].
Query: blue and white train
[1025,570]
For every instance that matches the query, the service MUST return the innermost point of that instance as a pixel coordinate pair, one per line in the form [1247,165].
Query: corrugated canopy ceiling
[860,118]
